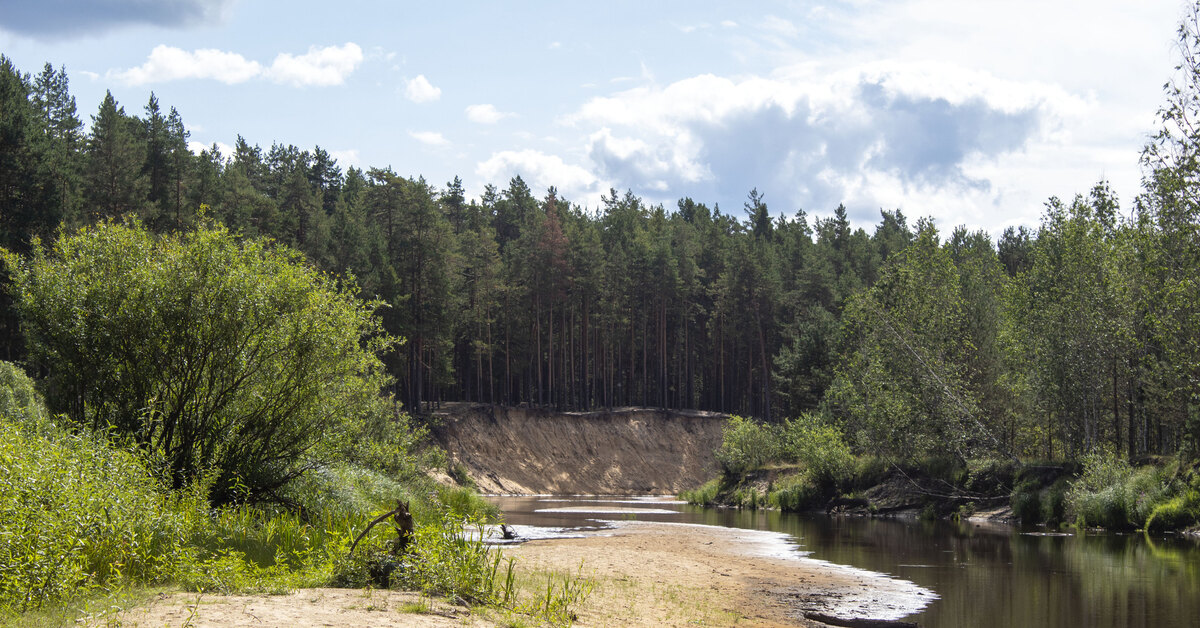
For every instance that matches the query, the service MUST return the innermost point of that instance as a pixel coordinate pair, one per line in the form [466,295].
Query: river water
[985,575]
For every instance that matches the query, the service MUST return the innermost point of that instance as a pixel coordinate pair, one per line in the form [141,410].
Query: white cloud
[167,63]
[540,171]
[486,114]
[198,147]
[780,26]
[319,67]
[420,90]
[429,138]
[348,157]
[879,134]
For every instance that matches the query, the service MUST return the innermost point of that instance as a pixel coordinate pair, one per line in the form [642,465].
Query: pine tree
[115,185]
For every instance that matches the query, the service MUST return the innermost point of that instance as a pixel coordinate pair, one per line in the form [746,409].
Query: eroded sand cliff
[624,451]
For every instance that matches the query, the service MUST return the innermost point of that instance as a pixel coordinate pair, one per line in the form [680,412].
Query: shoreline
[654,574]
[645,574]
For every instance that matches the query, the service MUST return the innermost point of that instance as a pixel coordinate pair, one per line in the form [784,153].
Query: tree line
[1046,342]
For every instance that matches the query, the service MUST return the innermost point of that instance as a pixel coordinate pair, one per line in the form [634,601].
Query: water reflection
[987,576]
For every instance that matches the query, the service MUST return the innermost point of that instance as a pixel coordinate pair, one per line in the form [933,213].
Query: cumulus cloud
[319,67]
[420,90]
[167,63]
[540,171]
[198,147]
[486,114]
[64,18]
[820,138]
[429,138]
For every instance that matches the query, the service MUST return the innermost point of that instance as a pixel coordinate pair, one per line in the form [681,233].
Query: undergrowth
[805,464]
[82,517]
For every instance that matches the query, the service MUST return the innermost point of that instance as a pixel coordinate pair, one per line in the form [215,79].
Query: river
[984,575]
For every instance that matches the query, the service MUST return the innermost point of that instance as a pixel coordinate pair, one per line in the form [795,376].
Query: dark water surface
[986,576]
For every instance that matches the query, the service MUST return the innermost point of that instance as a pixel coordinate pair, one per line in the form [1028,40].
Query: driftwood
[403,525]
[858,623]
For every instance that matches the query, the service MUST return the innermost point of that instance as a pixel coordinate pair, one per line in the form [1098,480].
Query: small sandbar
[651,574]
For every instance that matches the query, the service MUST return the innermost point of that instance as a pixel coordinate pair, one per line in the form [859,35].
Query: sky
[971,113]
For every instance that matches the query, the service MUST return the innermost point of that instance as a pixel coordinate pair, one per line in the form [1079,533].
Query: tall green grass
[80,514]
[76,513]
[1110,493]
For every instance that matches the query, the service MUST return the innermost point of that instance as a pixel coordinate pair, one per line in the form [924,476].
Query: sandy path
[645,574]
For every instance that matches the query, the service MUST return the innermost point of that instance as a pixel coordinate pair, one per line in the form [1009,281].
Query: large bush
[746,446]
[819,446]
[216,356]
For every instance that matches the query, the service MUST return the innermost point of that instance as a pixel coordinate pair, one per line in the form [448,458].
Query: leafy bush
[1026,502]
[819,446]
[796,493]
[211,353]
[746,446]
[78,513]
[19,400]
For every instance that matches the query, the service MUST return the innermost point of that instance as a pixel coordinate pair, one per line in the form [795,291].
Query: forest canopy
[1049,341]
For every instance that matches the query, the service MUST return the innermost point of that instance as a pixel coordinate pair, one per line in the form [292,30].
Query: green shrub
[1111,494]
[868,471]
[77,513]
[818,446]
[207,351]
[705,495]
[1054,501]
[746,446]
[20,402]
[451,559]
[1026,504]
[797,493]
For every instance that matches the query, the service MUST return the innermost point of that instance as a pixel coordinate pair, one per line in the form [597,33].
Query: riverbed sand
[644,574]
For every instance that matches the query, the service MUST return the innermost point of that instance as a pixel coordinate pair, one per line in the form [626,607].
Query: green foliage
[746,445]
[818,446]
[902,387]
[1033,503]
[77,514]
[797,493]
[20,402]
[213,354]
[1112,494]
[450,558]
[705,495]
[1177,513]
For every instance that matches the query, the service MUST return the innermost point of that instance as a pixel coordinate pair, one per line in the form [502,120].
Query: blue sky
[969,112]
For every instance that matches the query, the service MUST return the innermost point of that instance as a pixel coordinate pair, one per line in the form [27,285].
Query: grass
[83,522]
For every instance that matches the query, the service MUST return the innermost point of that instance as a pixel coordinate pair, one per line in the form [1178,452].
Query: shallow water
[985,576]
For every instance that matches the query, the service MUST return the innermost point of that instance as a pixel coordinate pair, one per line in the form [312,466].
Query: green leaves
[213,354]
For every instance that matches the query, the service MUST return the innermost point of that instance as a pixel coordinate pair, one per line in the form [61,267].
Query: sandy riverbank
[645,574]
